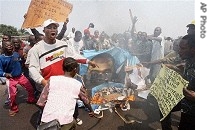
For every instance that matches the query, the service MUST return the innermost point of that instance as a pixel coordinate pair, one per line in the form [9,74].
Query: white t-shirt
[76,45]
[61,100]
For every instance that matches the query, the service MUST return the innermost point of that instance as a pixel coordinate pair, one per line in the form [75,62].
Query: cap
[48,22]
[192,24]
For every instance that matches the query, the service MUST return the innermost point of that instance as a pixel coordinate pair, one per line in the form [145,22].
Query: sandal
[12,113]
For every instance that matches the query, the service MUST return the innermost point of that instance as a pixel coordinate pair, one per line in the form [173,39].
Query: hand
[25,56]
[149,38]
[25,15]
[128,68]
[8,75]
[67,20]
[91,25]
[173,67]
[44,82]
[170,66]
[189,94]
[135,19]
[93,64]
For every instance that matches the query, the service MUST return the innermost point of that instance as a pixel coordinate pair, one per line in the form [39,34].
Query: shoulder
[38,44]
[161,36]
[2,55]
[61,43]
[15,54]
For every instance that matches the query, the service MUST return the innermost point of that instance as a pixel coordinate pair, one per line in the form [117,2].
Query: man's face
[185,51]
[32,40]
[157,32]
[8,47]
[103,72]
[78,37]
[96,33]
[51,31]
[5,38]
[16,43]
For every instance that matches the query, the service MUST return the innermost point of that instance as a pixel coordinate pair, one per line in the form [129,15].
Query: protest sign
[168,89]
[41,10]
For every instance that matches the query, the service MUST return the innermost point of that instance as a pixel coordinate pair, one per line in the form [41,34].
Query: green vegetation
[7,29]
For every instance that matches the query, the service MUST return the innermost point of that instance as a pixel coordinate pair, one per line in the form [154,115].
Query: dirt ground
[144,110]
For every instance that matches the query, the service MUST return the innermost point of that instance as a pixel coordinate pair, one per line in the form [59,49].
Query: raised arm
[63,30]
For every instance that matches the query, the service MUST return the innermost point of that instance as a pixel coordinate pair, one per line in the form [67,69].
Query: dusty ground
[142,110]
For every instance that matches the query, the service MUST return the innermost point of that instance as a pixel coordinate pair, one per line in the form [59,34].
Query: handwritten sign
[168,89]
[41,10]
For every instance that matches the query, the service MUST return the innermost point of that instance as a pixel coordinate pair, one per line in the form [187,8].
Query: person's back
[63,89]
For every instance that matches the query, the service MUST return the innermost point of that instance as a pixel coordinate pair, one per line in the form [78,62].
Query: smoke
[113,16]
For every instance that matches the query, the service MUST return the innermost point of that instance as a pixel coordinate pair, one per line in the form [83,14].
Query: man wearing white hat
[47,56]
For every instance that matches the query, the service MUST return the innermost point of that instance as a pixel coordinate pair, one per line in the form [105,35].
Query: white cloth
[76,45]
[158,49]
[157,53]
[71,35]
[61,100]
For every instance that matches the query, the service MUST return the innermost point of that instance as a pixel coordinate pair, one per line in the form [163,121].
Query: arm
[63,30]
[83,95]
[133,29]
[43,97]
[189,94]
[147,64]
[79,58]
[159,39]
[35,32]
[2,73]
[177,68]
[34,67]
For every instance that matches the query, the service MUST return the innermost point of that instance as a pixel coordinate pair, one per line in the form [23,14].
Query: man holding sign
[41,10]
[187,52]
[170,85]
[187,104]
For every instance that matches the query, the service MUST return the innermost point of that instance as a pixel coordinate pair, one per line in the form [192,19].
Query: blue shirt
[10,64]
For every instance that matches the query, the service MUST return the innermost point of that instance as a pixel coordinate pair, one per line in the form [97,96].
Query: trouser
[12,84]
[33,83]
[76,112]
[166,123]
[39,117]
[70,126]
[187,122]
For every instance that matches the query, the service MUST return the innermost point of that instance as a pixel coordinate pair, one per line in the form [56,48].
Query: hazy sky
[112,16]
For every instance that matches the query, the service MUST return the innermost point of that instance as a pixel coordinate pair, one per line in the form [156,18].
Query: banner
[168,89]
[41,10]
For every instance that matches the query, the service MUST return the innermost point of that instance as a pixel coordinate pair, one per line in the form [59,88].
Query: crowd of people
[51,59]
